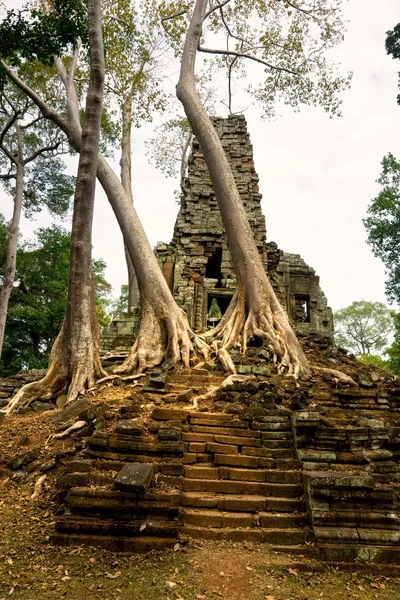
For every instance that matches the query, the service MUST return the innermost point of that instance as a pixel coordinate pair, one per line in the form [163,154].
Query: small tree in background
[364,327]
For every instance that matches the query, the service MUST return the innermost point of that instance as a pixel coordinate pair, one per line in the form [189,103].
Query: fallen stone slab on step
[71,410]
[134,478]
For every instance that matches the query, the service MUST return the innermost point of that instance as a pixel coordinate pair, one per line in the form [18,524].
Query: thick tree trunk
[255,310]
[172,340]
[11,259]
[126,180]
[75,361]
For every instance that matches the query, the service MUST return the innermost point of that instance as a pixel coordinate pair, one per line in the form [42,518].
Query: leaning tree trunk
[254,310]
[75,361]
[126,180]
[11,259]
[164,335]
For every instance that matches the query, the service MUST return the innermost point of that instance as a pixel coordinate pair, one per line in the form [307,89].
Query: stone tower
[197,263]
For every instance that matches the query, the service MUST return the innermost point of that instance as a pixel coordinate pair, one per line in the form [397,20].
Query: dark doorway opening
[223,301]
[302,309]
[213,266]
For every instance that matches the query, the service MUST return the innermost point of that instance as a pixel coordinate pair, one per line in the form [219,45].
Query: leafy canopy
[383,224]
[41,33]
[392,45]
[363,327]
[290,40]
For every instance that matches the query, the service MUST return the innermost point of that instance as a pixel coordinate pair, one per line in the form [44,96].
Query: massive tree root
[70,373]
[266,320]
[164,338]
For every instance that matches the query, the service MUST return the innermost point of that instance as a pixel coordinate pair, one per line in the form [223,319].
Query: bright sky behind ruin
[317,175]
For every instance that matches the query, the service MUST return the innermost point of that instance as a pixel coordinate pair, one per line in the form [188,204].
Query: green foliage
[38,300]
[383,224]
[392,45]
[134,48]
[374,360]
[120,305]
[40,34]
[166,149]
[393,352]
[290,40]
[363,327]
[103,291]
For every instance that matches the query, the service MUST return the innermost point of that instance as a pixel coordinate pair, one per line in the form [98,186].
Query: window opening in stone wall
[302,309]
[213,267]
[216,307]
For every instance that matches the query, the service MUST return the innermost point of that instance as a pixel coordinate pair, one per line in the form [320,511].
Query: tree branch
[27,125]
[8,125]
[214,8]
[249,56]
[42,151]
[45,109]
[170,17]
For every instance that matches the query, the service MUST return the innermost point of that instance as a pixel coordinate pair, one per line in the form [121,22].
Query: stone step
[114,543]
[288,537]
[242,431]
[195,379]
[148,526]
[338,553]
[101,501]
[252,457]
[354,535]
[237,474]
[241,502]
[277,520]
[211,517]
[281,490]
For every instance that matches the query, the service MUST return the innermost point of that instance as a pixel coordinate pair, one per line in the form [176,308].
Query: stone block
[21,460]
[134,478]
[168,433]
[222,448]
[166,414]
[235,460]
[238,441]
[78,466]
[129,427]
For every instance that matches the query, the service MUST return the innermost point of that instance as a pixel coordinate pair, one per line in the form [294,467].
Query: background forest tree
[38,299]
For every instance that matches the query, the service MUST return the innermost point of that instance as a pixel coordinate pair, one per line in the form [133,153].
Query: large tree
[75,361]
[290,40]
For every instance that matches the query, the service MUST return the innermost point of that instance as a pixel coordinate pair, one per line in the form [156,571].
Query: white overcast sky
[317,175]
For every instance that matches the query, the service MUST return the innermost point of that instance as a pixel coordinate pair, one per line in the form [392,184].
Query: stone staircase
[211,475]
[240,480]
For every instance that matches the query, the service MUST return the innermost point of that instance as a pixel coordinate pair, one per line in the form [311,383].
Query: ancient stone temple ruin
[197,263]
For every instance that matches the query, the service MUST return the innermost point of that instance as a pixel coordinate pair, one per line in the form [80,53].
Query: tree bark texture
[11,258]
[254,310]
[126,180]
[75,360]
